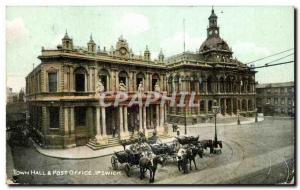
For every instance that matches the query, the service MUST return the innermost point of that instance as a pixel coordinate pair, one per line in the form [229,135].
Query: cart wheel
[114,162]
[127,170]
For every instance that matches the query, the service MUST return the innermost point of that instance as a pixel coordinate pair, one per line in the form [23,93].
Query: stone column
[219,86]
[121,124]
[134,81]
[103,122]
[95,77]
[98,126]
[66,122]
[140,119]
[157,117]
[150,82]
[162,121]
[91,79]
[225,107]
[199,107]
[206,106]
[161,82]
[145,121]
[72,123]
[117,80]
[112,81]
[146,82]
[125,119]
[131,87]
[72,81]
[246,104]
[231,106]
[124,134]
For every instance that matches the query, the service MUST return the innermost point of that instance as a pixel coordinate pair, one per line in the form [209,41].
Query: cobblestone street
[258,153]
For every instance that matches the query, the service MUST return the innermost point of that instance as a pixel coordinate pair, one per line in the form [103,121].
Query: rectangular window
[282,101]
[80,116]
[52,82]
[275,100]
[289,101]
[54,117]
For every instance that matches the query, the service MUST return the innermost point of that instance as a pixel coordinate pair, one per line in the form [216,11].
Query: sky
[251,32]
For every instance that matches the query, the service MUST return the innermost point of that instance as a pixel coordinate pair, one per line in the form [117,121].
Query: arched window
[210,104]
[170,84]
[201,85]
[228,84]
[140,78]
[244,107]
[209,85]
[80,79]
[105,79]
[177,82]
[250,104]
[123,77]
[155,79]
[222,84]
[202,105]
[192,84]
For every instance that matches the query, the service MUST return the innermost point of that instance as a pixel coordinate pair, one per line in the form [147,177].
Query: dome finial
[66,35]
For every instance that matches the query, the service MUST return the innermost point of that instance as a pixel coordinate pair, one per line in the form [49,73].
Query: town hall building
[62,92]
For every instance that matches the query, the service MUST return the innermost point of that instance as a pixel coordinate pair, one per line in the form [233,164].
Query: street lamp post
[238,113]
[215,110]
[256,115]
[185,131]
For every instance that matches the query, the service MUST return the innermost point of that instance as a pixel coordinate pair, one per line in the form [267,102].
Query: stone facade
[63,99]
[211,74]
[276,99]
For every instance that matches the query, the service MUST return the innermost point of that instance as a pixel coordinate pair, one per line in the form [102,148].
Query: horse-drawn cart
[127,158]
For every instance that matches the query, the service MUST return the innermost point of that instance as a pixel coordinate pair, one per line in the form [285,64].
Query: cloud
[248,51]
[174,44]
[132,24]
[16,30]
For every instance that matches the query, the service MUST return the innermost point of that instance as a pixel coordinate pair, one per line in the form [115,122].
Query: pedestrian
[114,131]
[178,132]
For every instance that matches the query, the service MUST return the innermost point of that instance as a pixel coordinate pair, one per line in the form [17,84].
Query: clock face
[210,32]
[123,51]
[216,31]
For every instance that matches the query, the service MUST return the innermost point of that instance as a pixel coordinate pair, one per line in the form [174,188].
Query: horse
[182,160]
[212,145]
[198,148]
[207,144]
[186,155]
[150,163]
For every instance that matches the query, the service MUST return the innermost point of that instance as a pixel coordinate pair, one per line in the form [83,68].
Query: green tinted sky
[252,32]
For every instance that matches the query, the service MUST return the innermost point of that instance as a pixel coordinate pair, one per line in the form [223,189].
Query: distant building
[11,96]
[276,99]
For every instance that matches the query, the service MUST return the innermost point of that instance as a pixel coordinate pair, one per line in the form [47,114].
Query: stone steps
[111,143]
[115,141]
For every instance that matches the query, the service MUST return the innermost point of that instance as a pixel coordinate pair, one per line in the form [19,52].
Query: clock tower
[213,29]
